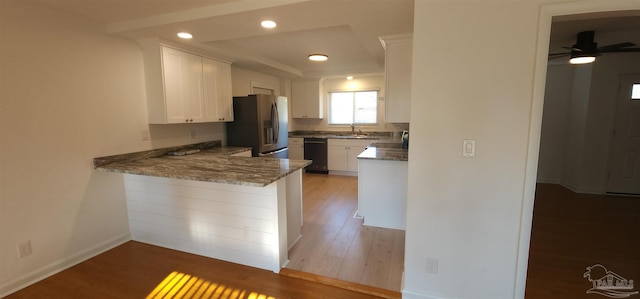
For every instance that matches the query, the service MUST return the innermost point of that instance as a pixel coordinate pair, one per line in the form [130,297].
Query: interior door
[624,166]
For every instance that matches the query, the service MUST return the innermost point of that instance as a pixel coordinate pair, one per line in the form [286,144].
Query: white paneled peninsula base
[238,209]
[382,186]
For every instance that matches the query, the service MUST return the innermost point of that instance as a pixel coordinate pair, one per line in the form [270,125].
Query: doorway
[558,205]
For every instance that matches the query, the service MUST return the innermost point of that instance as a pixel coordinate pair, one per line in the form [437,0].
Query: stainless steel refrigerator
[261,122]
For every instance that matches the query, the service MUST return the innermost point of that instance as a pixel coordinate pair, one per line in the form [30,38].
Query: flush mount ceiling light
[185,35]
[268,24]
[318,57]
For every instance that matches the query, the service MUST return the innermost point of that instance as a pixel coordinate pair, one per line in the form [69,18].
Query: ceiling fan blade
[623,50]
[572,49]
[615,46]
[558,55]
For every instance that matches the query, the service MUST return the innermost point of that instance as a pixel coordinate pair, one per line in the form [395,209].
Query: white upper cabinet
[218,101]
[185,88]
[306,101]
[398,61]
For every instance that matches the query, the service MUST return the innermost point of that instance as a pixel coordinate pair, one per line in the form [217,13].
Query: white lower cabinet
[343,154]
[296,148]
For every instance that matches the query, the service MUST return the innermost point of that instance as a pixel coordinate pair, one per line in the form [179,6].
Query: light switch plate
[469,148]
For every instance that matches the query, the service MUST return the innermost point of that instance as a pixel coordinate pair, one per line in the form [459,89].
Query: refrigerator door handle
[272,153]
[276,122]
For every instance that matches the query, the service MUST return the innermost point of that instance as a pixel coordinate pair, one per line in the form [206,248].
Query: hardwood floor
[570,233]
[573,231]
[137,270]
[336,245]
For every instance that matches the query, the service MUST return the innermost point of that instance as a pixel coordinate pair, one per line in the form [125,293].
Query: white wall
[466,212]
[554,122]
[474,214]
[369,82]
[242,78]
[68,93]
[577,119]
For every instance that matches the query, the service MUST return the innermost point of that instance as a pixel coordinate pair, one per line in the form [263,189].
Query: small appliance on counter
[405,139]
[260,122]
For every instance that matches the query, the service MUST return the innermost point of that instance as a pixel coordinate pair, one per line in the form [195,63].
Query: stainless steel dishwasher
[315,149]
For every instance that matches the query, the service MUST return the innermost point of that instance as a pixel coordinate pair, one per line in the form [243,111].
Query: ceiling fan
[585,50]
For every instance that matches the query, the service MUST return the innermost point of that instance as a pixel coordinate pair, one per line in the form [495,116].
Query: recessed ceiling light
[318,57]
[185,35]
[268,24]
[349,77]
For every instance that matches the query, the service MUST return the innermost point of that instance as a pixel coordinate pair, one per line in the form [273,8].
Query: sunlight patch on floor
[181,285]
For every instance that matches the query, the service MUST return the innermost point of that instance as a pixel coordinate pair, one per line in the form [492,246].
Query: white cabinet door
[298,100]
[343,153]
[182,74]
[192,98]
[306,101]
[185,88]
[296,148]
[217,90]
[355,148]
[337,156]
[398,61]
[224,93]
[172,75]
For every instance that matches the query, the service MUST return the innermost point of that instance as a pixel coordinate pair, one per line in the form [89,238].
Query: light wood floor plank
[336,245]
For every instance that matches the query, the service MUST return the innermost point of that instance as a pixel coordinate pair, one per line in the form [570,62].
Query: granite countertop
[340,135]
[385,151]
[211,164]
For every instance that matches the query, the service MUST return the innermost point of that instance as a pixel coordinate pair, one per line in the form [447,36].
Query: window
[353,107]
[635,91]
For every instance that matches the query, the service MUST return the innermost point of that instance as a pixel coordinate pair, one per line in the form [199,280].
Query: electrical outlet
[24,249]
[432,265]
[192,134]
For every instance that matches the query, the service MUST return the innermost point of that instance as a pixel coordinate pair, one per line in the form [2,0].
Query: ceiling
[346,30]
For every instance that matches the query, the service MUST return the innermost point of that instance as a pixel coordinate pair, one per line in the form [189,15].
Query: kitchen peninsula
[244,210]
[382,185]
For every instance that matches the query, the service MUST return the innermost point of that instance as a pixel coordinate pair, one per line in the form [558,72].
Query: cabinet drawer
[350,142]
[296,140]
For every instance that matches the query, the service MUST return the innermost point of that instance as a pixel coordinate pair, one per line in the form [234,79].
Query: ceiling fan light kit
[582,59]
[585,50]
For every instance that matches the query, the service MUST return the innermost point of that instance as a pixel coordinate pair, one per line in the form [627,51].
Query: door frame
[547,13]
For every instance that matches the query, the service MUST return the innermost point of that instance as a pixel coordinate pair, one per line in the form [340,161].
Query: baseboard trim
[571,187]
[351,286]
[28,279]
[343,173]
[407,294]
